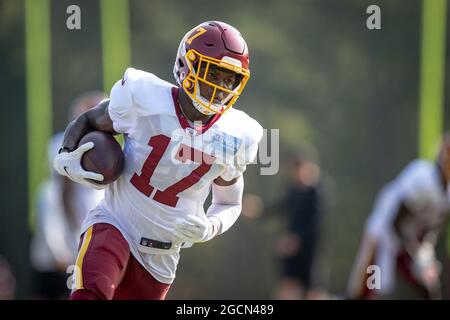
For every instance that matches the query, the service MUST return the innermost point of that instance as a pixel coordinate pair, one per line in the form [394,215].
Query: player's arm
[408,241]
[68,160]
[226,204]
[97,119]
[221,215]
[431,236]
[224,183]
[421,250]
[425,268]
[227,191]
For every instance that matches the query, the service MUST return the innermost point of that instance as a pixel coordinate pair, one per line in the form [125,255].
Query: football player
[180,142]
[402,231]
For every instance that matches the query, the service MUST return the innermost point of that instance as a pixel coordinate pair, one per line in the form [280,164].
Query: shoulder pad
[238,123]
[148,91]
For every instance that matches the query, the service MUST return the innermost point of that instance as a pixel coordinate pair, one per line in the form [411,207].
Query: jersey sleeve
[413,183]
[247,152]
[121,108]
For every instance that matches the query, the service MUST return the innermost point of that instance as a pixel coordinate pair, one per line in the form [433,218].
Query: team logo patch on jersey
[225,144]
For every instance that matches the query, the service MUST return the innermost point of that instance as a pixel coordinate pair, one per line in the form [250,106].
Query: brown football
[106,157]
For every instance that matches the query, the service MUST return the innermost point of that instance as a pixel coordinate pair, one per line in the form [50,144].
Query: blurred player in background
[181,142]
[402,231]
[61,208]
[297,246]
[7,280]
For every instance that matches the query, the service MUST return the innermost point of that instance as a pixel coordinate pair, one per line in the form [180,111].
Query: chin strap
[201,108]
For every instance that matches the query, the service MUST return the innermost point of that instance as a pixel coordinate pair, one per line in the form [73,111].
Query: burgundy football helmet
[211,43]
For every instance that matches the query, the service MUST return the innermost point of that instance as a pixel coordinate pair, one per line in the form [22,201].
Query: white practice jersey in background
[169,167]
[419,187]
[55,239]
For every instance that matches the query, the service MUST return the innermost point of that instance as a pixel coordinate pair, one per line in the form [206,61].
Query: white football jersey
[169,166]
[419,187]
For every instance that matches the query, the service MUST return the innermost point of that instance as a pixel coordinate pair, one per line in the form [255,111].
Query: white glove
[193,228]
[426,268]
[69,164]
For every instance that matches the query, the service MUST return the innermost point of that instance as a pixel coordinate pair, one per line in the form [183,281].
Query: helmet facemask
[199,66]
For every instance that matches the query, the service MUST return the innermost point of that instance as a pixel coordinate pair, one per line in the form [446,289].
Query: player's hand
[288,244]
[426,268]
[193,228]
[69,164]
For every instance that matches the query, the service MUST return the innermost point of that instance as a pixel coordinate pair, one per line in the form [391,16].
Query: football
[106,158]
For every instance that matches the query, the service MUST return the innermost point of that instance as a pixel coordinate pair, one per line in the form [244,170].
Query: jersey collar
[183,121]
